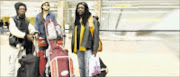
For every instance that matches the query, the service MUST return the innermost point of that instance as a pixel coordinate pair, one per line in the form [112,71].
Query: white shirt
[16,32]
[44,17]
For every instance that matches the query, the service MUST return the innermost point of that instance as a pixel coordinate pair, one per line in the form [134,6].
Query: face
[46,7]
[21,10]
[81,9]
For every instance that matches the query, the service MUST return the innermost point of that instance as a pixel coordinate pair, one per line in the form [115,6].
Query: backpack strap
[91,25]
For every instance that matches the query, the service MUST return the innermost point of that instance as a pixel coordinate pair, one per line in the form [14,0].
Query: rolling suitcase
[58,60]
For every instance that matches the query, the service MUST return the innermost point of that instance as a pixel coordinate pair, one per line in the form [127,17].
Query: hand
[30,37]
[94,53]
[36,36]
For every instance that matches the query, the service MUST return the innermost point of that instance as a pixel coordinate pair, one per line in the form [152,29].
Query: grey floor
[150,57]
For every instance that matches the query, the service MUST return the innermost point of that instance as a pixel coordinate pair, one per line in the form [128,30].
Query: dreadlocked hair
[85,16]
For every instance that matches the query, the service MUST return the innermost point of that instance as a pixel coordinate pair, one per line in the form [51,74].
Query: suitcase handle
[65,51]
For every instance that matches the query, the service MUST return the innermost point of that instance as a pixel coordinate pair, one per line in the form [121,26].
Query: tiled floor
[123,58]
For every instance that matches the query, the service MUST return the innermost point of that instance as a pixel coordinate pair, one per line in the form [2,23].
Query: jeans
[1,29]
[83,60]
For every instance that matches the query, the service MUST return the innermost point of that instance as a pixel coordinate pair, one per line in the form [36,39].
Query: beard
[22,16]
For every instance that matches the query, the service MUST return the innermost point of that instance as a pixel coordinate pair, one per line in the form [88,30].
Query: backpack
[92,32]
[53,30]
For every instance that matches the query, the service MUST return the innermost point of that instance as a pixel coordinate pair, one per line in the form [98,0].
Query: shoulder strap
[91,25]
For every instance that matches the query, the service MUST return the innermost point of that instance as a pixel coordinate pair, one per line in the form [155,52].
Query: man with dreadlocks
[84,42]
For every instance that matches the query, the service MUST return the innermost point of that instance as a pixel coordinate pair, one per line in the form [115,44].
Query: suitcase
[42,63]
[60,63]
[41,54]
[29,66]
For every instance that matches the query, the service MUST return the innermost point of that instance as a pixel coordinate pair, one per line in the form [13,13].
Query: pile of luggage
[53,62]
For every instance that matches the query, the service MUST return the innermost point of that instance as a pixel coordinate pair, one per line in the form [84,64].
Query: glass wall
[139,37]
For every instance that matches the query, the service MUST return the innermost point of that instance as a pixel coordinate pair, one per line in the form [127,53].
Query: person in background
[7,24]
[1,26]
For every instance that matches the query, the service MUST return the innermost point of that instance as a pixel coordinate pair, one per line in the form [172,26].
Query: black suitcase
[29,66]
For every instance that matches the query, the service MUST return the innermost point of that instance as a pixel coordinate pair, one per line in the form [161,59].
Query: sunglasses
[46,4]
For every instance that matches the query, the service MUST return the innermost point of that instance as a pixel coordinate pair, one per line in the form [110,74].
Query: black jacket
[22,25]
[88,41]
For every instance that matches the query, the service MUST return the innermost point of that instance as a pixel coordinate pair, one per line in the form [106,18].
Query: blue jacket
[40,27]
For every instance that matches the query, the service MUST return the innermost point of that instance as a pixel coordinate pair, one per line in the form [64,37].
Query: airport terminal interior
[139,37]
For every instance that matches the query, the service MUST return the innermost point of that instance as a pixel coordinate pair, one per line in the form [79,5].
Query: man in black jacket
[23,31]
